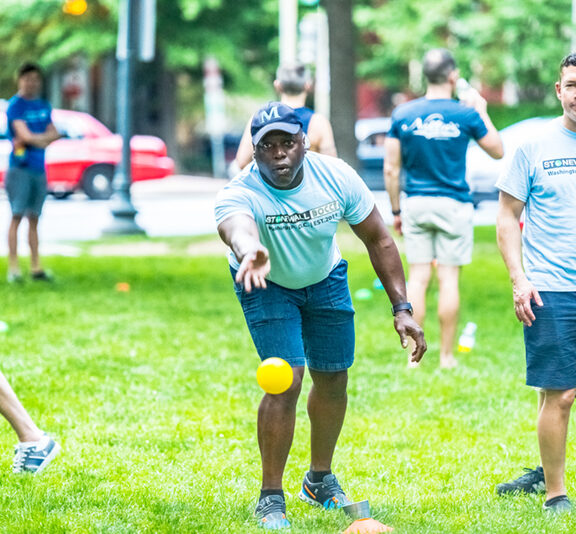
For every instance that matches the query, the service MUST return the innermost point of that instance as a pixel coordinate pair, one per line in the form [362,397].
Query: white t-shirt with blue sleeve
[542,174]
[298,226]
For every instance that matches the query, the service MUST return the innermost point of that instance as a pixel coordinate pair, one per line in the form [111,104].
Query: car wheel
[61,195]
[97,181]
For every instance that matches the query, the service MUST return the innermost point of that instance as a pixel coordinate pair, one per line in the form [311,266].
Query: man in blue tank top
[429,139]
[293,83]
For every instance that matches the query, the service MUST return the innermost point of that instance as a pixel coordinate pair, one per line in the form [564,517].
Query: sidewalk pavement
[180,205]
[180,184]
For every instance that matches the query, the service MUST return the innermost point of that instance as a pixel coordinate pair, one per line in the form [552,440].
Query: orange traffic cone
[360,512]
[367,526]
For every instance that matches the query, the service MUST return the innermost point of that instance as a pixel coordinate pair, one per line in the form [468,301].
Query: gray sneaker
[558,505]
[271,513]
[34,456]
[531,482]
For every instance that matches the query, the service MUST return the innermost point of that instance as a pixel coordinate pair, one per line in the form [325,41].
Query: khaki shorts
[438,228]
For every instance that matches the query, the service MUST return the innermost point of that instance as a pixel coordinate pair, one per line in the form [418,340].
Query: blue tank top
[304,114]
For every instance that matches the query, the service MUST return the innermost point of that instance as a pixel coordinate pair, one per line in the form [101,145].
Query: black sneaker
[271,512]
[41,276]
[327,493]
[531,482]
[558,505]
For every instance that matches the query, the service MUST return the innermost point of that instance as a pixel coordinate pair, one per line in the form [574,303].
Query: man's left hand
[407,327]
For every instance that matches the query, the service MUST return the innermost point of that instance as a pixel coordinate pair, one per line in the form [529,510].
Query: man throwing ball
[279,217]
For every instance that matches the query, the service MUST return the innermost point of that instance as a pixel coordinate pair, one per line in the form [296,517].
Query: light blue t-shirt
[543,175]
[434,136]
[298,226]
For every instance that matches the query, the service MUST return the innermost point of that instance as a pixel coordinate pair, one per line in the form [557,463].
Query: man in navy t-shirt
[31,130]
[428,139]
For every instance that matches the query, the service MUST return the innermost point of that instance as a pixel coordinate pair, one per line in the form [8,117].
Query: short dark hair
[293,78]
[567,61]
[438,63]
[29,67]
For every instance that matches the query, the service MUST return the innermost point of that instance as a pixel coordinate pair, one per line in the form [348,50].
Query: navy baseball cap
[274,116]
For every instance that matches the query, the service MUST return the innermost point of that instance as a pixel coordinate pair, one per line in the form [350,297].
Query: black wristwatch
[396,212]
[401,306]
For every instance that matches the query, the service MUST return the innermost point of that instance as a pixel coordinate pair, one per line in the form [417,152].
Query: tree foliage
[241,34]
[493,40]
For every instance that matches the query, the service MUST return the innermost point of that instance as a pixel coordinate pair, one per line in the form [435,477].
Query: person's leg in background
[448,310]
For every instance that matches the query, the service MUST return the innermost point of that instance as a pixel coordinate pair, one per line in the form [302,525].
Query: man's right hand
[254,268]
[524,292]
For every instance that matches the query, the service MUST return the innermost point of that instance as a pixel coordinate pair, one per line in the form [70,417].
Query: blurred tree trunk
[341,40]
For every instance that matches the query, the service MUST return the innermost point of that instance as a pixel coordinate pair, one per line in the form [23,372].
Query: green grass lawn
[152,394]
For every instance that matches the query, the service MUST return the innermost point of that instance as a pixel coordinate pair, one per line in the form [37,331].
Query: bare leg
[327,403]
[448,308]
[416,291]
[16,415]
[33,242]
[13,265]
[276,420]
[552,433]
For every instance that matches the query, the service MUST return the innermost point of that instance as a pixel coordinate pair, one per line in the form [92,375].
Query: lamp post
[573,33]
[121,206]
[287,24]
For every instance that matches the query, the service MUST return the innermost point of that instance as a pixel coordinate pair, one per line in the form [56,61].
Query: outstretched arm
[388,266]
[510,245]
[240,233]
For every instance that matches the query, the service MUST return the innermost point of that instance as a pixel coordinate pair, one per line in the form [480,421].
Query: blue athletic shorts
[26,191]
[313,325]
[551,342]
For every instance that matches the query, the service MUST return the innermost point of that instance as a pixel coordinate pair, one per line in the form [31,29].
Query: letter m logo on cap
[268,116]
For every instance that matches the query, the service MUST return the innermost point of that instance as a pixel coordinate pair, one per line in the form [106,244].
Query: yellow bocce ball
[274,375]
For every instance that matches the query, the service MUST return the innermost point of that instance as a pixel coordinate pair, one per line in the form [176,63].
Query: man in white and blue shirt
[279,217]
[541,260]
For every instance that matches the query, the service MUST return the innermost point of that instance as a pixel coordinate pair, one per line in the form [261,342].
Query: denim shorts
[26,191]
[551,342]
[313,325]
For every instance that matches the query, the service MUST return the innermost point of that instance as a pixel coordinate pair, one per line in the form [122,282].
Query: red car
[86,157]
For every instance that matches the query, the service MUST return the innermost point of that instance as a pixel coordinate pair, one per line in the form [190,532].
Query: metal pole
[322,85]
[121,207]
[573,32]
[215,115]
[287,25]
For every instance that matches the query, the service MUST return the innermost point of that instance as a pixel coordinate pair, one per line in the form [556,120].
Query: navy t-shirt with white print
[434,136]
